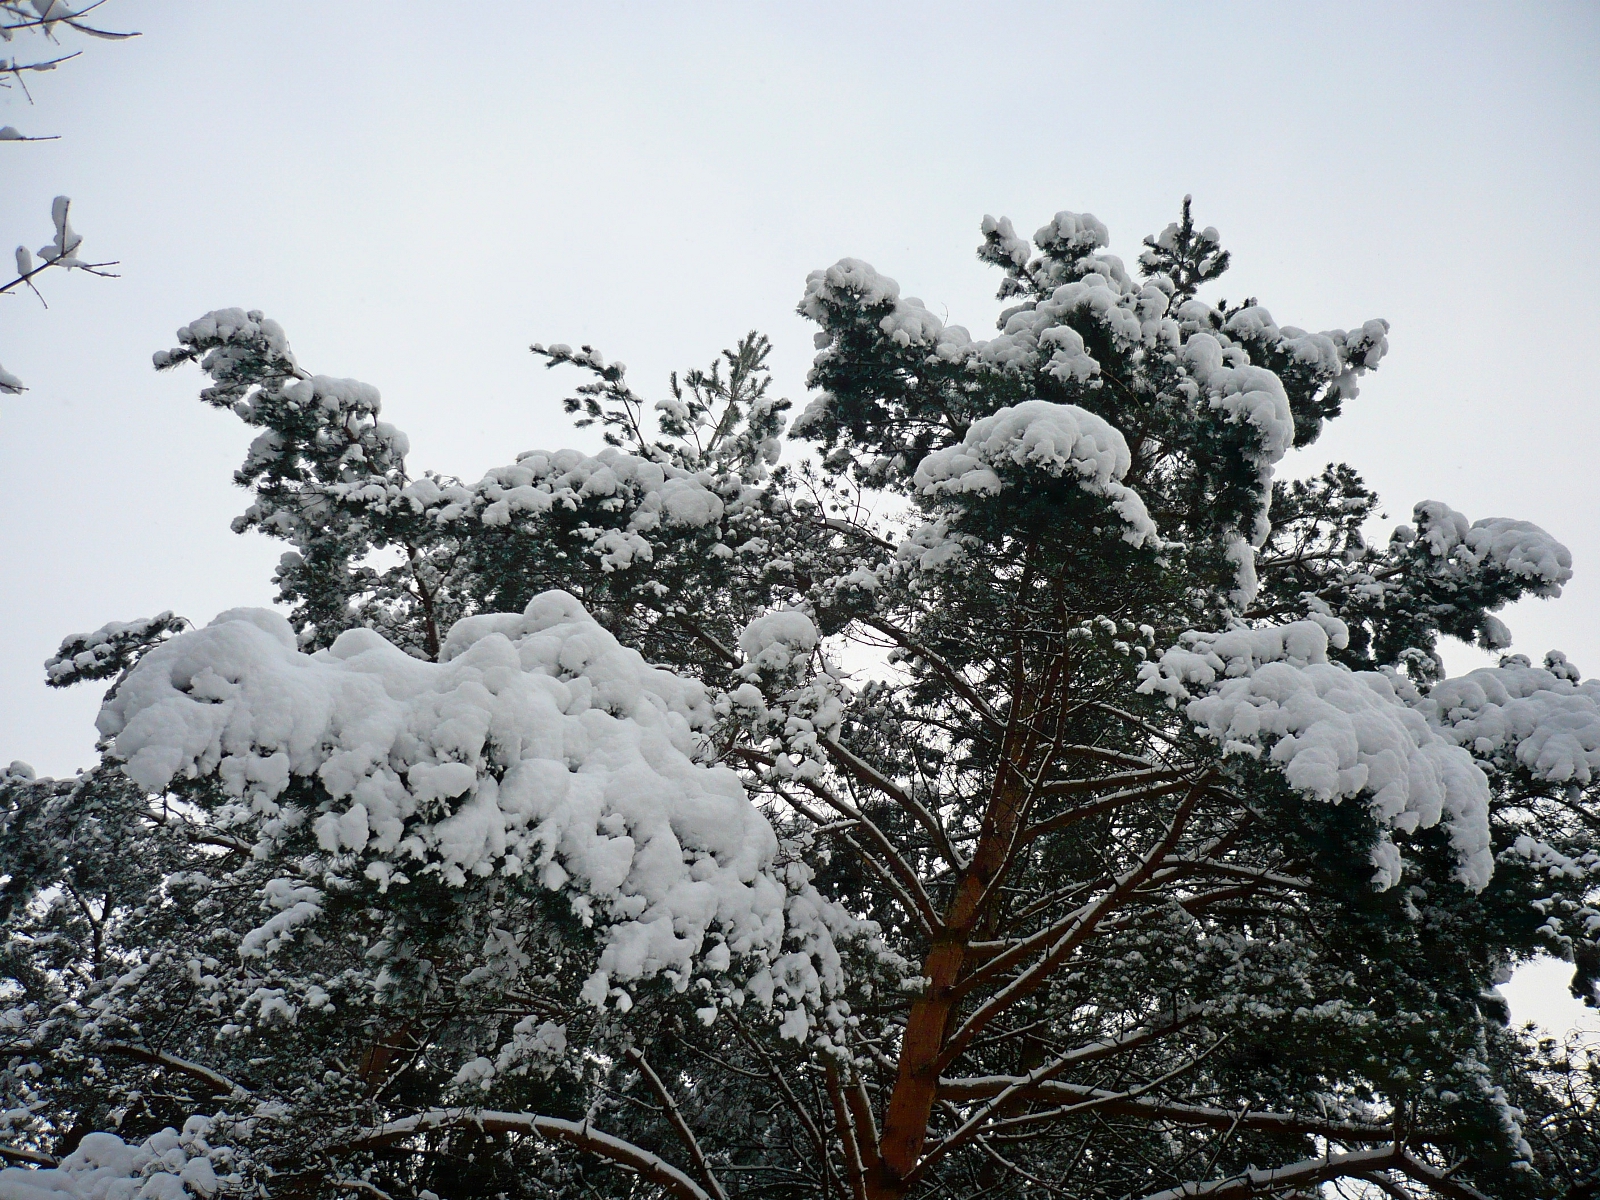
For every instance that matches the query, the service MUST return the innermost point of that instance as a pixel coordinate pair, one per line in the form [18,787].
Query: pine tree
[1027,793]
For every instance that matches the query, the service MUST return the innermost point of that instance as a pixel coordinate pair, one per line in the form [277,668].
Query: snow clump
[1518,548]
[1335,733]
[539,746]
[1060,439]
[655,496]
[1539,718]
[778,641]
[166,1166]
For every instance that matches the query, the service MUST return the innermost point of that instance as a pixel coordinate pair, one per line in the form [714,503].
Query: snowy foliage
[109,650]
[168,1165]
[665,819]
[1540,718]
[1058,439]
[538,746]
[1335,733]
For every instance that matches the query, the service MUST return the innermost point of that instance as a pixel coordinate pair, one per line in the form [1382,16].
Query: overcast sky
[418,191]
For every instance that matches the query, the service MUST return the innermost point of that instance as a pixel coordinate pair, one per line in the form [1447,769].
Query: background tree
[1031,794]
[32,22]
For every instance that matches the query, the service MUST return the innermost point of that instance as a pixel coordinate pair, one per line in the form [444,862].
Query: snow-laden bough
[1336,734]
[1062,440]
[538,748]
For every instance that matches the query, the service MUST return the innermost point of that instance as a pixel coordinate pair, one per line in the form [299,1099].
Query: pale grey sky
[417,191]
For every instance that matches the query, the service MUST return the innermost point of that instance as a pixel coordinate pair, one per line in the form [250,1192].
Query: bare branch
[950,674]
[219,1083]
[1125,1104]
[576,1133]
[1081,927]
[868,775]
[849,1136]
[1437,1179]
[679,1125]
[1311,1170]
[34,1158]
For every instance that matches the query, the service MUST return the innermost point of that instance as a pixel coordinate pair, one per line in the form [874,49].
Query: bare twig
[675,1119]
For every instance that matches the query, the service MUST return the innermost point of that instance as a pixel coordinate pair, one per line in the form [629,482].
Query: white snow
[1245,394]
[1335,733]
[88,651]
[1336,355]
[778,640]
[657,495]
[1540,718]
[1012,248]
[227,324]
[170,1165]
[1132,315]
[1060,439]
[847,279]
[1516,547]
[63,248]
[538,746]
[1069,231]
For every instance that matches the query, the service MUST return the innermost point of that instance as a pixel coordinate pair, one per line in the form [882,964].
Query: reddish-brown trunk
[905,1125]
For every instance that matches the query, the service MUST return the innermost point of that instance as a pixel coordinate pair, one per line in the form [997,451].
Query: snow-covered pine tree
[1093,822]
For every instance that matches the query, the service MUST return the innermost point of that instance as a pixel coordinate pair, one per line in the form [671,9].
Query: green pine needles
[993,780]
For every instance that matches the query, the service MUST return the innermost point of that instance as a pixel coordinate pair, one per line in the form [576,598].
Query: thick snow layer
[908,323]
[537,481]
[1540,718]
[1070,231]
[1336,355]
[166,1166]
[1518,548]
[849,278]
[539,746]
[778,640]
[1011,248]
[1060,439]
[1335,733]
[1245,394]
[227,324]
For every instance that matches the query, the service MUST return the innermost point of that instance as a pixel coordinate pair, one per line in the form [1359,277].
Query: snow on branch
[1334,733]
[109,650]
[1061,440]
[538,749]
[62,251]
[581,1134]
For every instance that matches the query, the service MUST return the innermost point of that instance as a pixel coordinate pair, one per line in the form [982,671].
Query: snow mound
[1518,548]
[1245,395]
[1130,314]
[851,282]
[1070,231]
[1060,439]
[1336,355]
[1335,733]
[539,746]
[166,1166]
[778,640]
[1540,718]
